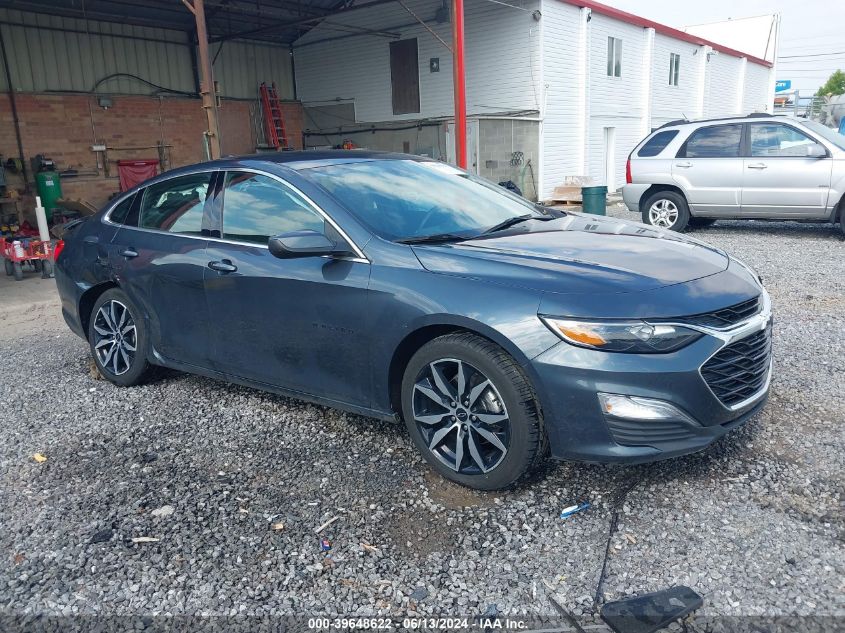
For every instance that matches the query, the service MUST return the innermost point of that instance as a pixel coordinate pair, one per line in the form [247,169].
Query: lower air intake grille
[740,370]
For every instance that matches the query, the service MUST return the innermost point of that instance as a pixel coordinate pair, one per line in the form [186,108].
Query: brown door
[405,76]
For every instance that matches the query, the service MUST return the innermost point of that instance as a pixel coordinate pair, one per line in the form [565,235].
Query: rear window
[657,143]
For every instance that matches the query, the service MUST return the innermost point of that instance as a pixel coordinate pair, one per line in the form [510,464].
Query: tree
[835,85]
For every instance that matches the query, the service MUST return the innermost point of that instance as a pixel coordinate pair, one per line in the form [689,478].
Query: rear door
[159,259]
[780,180]
[709,167]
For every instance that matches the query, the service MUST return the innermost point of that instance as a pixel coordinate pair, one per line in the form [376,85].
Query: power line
[814,55]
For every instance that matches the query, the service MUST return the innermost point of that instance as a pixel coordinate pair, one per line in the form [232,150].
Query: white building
[555,88]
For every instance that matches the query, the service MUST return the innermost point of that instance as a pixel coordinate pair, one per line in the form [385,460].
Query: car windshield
[404,200]
[829,134]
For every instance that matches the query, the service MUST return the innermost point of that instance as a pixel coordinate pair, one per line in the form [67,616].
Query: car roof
[299,159]
[756,116]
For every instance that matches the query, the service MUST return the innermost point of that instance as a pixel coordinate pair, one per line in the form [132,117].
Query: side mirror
[305,243]
[816,151]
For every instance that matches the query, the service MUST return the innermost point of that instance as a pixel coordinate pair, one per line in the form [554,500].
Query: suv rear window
[657,143]
[716,141]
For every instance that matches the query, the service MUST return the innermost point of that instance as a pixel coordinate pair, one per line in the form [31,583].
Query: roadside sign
[783,84]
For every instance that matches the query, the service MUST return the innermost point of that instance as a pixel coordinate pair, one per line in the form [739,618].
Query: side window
[614,57]
[674,67]
[119,214]
[718,141]
[657,143]
[774,139]
[257,207]
[175,205]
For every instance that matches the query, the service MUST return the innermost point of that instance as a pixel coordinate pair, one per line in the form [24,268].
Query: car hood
[579,254]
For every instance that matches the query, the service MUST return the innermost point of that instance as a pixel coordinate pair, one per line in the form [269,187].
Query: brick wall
[63,127]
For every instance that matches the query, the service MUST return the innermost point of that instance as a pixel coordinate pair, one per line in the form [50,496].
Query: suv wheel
[118,338]
[471,412]
[666,210]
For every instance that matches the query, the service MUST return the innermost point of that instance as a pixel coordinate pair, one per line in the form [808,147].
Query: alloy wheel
[663,213]
[115,337]
[461,416]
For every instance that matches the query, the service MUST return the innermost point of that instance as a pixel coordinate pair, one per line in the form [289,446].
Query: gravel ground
[232,483]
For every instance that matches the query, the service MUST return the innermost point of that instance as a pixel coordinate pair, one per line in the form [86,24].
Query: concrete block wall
[498,139]
[63,127]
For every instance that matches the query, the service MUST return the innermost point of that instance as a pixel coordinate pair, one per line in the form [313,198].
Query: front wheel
[472,412]
[666,210]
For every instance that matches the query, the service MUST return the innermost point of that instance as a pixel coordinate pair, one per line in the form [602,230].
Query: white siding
[615,102]
[561,70]
[723,76]
[670,102]
[757,82]
[502,61]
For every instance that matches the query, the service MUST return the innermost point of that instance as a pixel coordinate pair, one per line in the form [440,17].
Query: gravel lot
[754,524]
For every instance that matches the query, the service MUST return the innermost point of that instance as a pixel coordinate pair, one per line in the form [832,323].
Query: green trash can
[594,200]
[49,187]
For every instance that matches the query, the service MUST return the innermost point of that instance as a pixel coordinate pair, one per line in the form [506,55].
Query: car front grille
[726,317]
[739,370]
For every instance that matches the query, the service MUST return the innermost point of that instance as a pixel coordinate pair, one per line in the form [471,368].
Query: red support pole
[460,83]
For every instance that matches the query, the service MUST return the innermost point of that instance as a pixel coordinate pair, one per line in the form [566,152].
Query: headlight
[633,337]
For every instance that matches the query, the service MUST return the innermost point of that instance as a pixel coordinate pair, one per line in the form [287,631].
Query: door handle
[758,166]
[129,253]
[223,266]
[684,165]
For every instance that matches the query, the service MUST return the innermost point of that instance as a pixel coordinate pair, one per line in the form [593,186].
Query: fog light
[636,408]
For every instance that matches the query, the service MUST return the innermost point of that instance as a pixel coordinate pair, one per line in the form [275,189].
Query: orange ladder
[274,124]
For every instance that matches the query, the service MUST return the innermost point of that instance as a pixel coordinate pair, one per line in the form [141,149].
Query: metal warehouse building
[555,88]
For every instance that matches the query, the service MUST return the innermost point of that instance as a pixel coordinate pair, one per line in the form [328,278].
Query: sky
[810,30]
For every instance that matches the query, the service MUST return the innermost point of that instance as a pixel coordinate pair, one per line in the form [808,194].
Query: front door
[299,324]
[159,257]
[709,168]
[780,180]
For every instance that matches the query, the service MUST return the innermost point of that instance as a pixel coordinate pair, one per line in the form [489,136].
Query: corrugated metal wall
[51,53]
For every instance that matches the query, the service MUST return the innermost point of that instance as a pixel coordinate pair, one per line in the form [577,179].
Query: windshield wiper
[437,238]
[506,224]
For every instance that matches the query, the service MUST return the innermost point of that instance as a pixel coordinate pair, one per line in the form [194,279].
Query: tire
[502,414]
[46,269]
[124,366]
[36,265]
[10,269]
[700,223]
[673,208]
[17,270]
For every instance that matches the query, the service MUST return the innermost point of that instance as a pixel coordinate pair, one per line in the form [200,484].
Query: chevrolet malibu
[398,287]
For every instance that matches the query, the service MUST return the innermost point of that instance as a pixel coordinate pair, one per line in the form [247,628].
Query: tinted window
[256,207]
[719,141]
[119,214]
[175,205]
[774,139]
[657,143]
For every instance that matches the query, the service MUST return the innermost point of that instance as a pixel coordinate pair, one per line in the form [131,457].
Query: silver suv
[692,173]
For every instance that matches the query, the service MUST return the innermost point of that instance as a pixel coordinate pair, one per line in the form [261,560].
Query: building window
[674,64]
[405,76]
[614,57]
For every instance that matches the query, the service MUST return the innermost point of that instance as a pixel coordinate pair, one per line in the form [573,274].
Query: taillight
[57,250]
[628,178]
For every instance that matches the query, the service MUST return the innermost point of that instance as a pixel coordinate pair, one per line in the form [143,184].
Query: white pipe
[41,218]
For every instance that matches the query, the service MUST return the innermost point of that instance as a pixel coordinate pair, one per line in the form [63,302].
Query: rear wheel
[17,270]
[666,210]
[471,412]
[118,338]
[10,269]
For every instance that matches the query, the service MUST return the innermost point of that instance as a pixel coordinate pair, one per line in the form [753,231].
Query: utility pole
[209,97]
[460,83]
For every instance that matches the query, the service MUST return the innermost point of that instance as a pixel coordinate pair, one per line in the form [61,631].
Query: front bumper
[570,378]
[632,194]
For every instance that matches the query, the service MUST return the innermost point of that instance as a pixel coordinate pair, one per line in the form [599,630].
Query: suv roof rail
[753,115]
